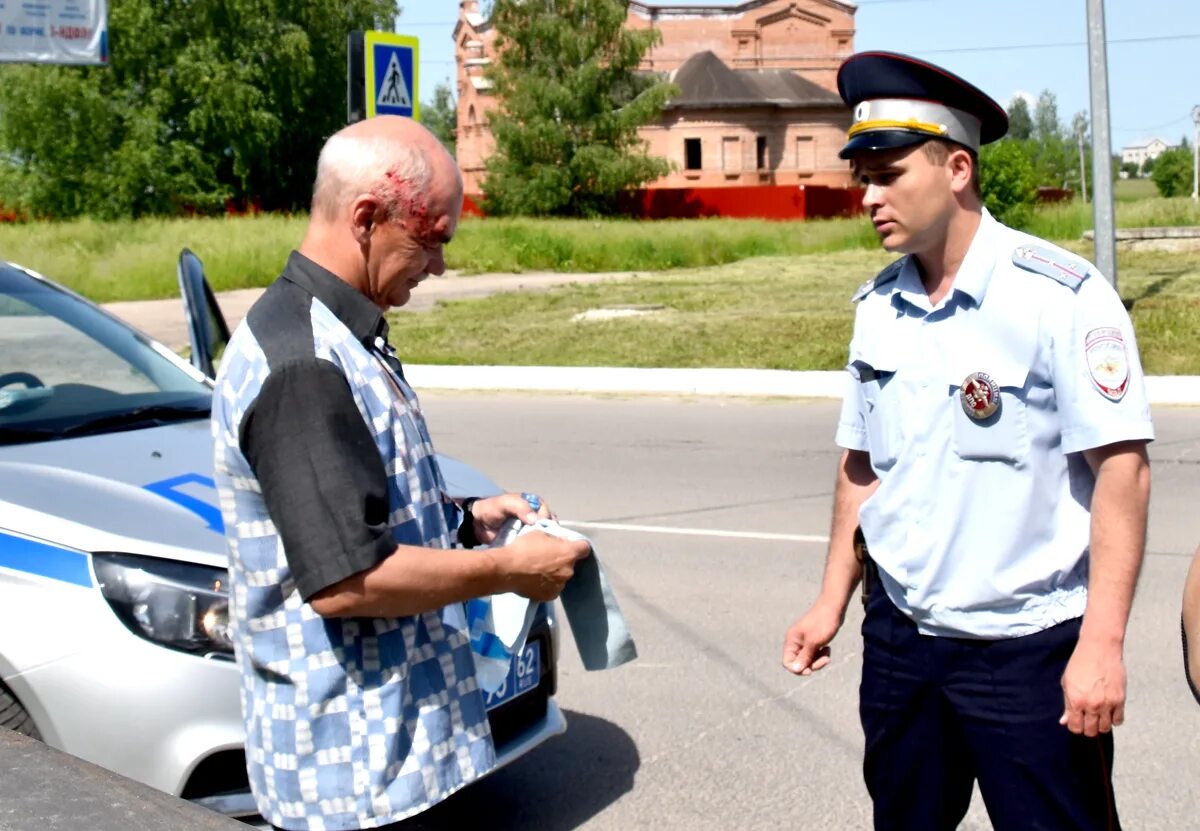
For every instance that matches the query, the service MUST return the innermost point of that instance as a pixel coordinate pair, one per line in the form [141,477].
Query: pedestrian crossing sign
[391,74]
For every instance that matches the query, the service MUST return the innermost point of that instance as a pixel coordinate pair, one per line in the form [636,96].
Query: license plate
[522,677]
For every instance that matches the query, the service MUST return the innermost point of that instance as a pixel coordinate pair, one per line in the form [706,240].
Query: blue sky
[1005,47]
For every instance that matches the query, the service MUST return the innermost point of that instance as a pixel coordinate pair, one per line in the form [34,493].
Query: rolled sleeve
[322,477]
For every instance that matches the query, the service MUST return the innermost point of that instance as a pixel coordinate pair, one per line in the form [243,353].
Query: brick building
[757,101]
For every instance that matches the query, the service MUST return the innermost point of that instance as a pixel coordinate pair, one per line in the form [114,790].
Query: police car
[114,640]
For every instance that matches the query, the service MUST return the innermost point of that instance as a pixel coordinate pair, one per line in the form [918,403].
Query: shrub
[1007,182]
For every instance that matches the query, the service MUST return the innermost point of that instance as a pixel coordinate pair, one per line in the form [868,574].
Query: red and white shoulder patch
[1107,361]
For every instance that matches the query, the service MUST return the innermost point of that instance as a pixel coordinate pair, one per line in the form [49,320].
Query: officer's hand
[491,513]
[538,565]
[806,645]
[1093,689]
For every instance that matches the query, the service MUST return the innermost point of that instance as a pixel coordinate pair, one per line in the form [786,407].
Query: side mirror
[207,329]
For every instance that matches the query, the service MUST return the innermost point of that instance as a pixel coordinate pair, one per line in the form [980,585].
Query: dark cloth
[940,713]
[322,477]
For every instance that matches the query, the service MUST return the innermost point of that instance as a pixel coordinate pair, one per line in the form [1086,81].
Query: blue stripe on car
[167,489]
[44,560]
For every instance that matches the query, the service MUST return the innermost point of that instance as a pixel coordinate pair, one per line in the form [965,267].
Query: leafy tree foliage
[1007,181]
[1173,172]
[441,116]
[204,101]
[570,106]
[1020,122]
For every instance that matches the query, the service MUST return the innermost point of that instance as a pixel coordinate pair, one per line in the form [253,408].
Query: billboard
[54,31]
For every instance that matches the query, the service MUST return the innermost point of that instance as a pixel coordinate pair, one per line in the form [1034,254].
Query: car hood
[147,491]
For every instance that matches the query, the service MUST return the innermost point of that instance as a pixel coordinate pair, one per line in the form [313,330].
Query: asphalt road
[706,730]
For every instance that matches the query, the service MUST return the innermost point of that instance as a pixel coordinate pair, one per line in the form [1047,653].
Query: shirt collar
[362,317]
[974,273]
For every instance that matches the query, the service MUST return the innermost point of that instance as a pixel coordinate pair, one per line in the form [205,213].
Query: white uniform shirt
[980,528]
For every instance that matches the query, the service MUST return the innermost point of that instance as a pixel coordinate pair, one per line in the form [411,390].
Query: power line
[1015,46]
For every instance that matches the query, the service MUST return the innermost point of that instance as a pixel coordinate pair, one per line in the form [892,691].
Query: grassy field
[769,312]
[136,260]
[724,304]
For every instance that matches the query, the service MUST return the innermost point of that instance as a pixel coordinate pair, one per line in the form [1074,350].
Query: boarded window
[731,154]
[806,153]
[691,154]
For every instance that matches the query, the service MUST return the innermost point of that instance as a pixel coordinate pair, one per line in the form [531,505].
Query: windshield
[67,369]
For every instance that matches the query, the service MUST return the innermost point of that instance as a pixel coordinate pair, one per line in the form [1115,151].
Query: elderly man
[359,690]
[994,455]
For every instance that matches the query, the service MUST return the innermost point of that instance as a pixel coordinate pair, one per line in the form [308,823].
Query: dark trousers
[940,713]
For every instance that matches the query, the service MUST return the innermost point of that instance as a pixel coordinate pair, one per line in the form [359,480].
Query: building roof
[705,82]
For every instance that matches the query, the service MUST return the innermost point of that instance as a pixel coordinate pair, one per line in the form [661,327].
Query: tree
[1007,182]
[1173,172]
[1045,117]
[570,107]
[1020,123]
[441,115]
[204,101]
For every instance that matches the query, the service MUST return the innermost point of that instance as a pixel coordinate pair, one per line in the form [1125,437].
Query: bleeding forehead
[429,213]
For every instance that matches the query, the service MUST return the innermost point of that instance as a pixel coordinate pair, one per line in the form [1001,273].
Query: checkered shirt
[352,722]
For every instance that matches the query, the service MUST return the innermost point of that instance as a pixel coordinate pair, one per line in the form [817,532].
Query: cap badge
[862,111]
[979,395]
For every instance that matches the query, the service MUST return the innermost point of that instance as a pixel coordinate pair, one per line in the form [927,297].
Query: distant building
[1138,154]
[757,102]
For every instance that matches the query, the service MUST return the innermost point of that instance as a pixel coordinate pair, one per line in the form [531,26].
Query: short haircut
[938,151]
[397,174]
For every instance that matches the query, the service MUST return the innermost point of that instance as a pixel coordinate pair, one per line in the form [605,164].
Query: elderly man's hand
[537,565]
[492,513]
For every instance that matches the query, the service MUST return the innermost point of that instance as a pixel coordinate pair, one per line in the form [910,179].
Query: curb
[759,383]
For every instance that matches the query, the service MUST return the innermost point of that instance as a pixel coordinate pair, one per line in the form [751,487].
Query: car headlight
[182,606]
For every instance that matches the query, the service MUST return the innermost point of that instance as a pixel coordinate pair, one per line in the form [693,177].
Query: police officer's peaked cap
[900,101]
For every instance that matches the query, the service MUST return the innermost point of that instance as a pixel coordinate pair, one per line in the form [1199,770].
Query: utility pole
[1196,153]
[1102,203]
[1080,127]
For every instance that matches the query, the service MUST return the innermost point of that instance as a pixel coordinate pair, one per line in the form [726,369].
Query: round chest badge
[979,395]
[1107,361]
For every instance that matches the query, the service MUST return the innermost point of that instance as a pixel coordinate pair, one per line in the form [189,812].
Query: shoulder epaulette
[886,276]
[1053,263]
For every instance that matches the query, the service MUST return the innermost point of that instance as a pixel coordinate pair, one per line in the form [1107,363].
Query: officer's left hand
[1094,689]
[491,513]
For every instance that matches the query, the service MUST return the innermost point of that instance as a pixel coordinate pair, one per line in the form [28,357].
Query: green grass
[769,312]
[136,260]
[1130,190]
[628,245]
[1068,220]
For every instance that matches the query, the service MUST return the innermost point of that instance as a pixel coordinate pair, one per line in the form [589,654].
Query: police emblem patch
[979,395]
[1107,361]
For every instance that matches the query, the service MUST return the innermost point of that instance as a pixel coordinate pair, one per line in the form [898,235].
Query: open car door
[207,329]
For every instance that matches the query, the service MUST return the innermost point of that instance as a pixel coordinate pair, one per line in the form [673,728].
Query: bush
[1007,182]
[1173,172]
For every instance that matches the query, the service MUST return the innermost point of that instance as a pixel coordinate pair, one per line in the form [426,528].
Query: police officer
[994,453]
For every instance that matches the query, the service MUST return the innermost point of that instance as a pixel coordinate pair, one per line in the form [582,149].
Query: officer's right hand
[539,565]
[806,645]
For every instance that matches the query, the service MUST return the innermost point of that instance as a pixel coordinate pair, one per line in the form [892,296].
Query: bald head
[393,158]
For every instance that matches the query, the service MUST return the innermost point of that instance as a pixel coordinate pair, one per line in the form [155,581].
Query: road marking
[695,532]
